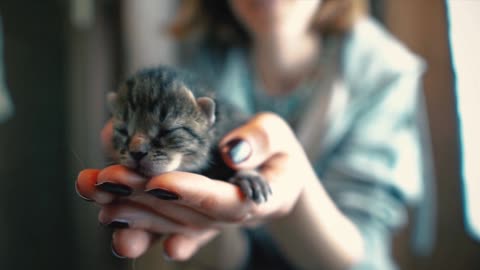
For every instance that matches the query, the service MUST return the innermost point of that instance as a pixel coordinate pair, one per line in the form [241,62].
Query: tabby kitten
[165,120]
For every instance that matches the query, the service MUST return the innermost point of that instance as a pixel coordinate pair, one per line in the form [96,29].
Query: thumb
[262,137]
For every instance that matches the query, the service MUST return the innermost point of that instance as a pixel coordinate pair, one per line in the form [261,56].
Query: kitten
[165,120]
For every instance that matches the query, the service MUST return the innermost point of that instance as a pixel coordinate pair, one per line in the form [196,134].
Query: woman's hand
[190,209]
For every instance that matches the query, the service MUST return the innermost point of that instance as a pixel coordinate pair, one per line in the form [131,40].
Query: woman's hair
[214,21]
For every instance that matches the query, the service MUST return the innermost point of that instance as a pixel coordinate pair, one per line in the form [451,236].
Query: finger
[216,199]
[86,189]
[181,214]
[182,247]
[119,180]
[171,217]
[135,217]
[250,145]
[131,243]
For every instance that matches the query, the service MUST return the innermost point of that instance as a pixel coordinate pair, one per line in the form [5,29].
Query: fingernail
[238,150]
[117,189]
[114,252]
[118,224]
[163,194]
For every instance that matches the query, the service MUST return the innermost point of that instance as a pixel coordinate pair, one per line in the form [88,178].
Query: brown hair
[215,21]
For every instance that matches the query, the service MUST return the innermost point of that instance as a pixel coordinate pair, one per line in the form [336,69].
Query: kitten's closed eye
[122,131]
[183,131]
[179,136]
[171,130]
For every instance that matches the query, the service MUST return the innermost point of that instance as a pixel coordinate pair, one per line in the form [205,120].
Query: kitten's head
[159,125]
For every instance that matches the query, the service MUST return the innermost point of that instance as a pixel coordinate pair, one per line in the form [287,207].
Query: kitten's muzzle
[138,147]
[138,155]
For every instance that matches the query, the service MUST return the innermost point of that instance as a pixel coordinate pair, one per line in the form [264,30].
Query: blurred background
[61,56]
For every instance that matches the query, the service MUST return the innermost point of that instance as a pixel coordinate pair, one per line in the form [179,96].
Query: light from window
[465,41]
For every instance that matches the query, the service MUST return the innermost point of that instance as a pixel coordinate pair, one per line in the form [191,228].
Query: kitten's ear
[112,101]
[207,105]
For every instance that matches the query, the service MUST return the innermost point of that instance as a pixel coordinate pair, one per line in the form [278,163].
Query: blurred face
[284,17]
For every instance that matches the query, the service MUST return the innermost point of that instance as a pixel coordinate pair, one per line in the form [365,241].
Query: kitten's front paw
[253,185]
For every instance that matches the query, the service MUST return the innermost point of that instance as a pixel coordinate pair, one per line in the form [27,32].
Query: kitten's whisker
[78,158]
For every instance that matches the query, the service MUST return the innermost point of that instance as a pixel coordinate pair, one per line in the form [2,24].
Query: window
[465,41]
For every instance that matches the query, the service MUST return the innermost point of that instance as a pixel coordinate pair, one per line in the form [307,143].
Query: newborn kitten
[164,120]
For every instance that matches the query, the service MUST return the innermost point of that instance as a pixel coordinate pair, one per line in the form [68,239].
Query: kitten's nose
[138,155]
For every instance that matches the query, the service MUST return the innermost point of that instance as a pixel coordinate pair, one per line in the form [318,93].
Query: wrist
[320,231]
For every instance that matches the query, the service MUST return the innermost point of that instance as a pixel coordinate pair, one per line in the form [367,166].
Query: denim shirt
[369,157]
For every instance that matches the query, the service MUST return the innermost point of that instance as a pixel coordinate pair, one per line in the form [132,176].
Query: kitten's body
[165,120]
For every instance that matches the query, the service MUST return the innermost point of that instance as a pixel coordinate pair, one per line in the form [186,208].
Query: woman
[340,152]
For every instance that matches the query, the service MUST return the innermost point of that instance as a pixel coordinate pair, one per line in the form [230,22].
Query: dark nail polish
[238,150]
[163,194]
[117,189]
[118,224]
[114,252]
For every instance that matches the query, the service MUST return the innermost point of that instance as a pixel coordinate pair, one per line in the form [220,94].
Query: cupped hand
[190,209]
